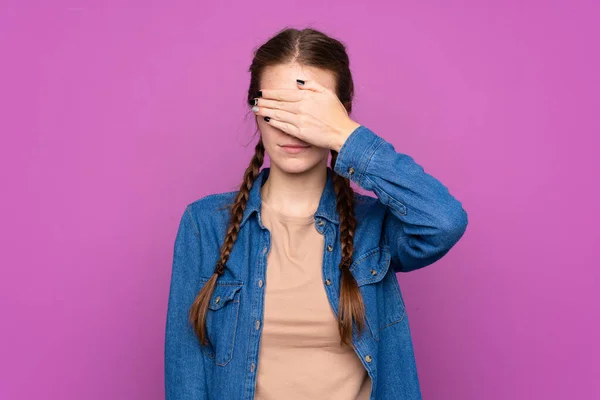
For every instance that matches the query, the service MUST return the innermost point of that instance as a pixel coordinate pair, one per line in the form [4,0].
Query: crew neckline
[303,220]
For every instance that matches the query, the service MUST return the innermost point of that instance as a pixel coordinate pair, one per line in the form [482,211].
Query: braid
[200,306]
[351,307]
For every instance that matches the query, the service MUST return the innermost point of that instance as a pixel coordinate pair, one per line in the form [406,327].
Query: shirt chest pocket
[379,287]
[222,321]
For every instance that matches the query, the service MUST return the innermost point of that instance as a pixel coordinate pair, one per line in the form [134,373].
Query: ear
[311,85]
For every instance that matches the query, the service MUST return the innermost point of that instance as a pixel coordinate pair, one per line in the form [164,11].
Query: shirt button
[327,282]
[252,367]
[368,358]
[329,247]
[257,324]
[320,223]
[373,272]
[260,283]
[350,170]
[218,299]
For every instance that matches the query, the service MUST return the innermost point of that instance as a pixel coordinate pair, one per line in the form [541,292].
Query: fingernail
[255,109]
[267,119]
[259,93]
[300,81]
[254,102]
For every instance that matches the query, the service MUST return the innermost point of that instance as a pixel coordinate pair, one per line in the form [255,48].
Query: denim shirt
[412,222]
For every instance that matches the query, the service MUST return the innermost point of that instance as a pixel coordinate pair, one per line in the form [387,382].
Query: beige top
[300,356]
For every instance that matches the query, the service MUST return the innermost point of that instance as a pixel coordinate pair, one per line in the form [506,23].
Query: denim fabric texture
[412,222]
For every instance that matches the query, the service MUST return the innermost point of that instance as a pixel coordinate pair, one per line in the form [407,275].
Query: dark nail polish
[300,81]
[259,93]
[267,119]
[254,102]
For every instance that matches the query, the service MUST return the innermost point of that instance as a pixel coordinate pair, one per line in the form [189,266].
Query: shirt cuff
[356,153]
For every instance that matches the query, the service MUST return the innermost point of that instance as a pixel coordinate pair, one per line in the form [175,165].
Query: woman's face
[284,77]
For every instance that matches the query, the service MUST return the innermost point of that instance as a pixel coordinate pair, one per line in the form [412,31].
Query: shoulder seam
[188,211]
[211,195]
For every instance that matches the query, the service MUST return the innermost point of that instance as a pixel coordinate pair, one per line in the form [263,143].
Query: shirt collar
[327,205]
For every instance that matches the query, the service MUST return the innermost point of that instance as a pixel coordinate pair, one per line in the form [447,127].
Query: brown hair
[311,48]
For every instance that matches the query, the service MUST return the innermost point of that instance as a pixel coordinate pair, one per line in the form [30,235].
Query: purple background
[114,115]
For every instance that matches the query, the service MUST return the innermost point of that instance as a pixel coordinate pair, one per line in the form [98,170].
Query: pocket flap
[371,266]
[224,292]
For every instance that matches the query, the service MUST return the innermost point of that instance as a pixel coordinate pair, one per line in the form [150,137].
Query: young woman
[287,289]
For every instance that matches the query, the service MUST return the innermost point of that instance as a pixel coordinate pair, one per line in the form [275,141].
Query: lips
[294,148]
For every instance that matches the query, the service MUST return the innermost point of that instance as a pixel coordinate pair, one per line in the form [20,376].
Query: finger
[292,107]
[279,115]
[313,85]
[282,94]
[284,127]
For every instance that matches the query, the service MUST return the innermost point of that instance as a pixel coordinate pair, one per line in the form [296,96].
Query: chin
[296,165]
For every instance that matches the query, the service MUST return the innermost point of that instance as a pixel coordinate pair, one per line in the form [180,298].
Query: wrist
[343,133]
